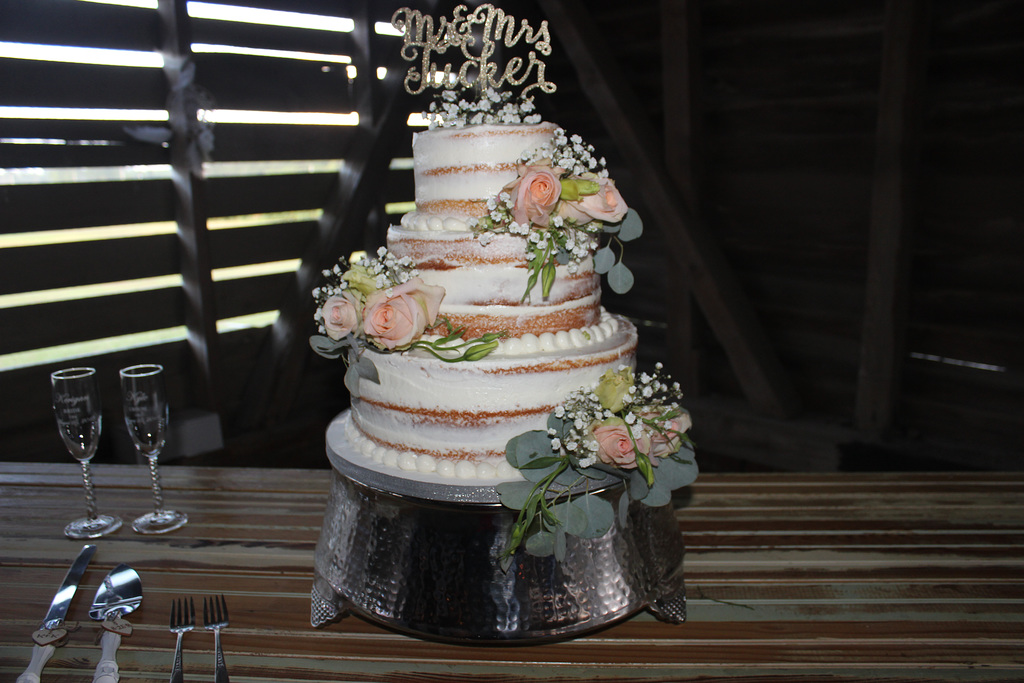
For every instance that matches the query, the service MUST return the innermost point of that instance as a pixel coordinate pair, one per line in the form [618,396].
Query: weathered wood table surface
[790,577]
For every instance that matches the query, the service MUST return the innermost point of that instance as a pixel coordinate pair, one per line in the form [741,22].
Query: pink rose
[340,316]
[397,319]
[607,205]
[669,442]
[535,192]
[615,447]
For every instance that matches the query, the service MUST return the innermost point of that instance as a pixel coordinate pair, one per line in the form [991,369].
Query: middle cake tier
[485,286]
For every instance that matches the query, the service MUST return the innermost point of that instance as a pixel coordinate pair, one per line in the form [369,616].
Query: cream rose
[535,193]
[614,445]
[613,387]
[669,442]
[340,315]
[607,205]
[396,319]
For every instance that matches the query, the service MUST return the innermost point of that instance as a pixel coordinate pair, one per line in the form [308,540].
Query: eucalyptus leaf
[597,513]
[637,485]
[657,495]
[632,226]
[675,474]
[514,494]
[572,516]
[327,347]
[560,544]
[367,370]
[620,278]
[352,381]
[624,509]
[525,447]
[604,259]
[541,543]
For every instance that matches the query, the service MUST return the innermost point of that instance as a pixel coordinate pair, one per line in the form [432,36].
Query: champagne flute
[145,414]
[76,404]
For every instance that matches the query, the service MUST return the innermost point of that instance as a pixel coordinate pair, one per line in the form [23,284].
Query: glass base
[100,525]
[160,522]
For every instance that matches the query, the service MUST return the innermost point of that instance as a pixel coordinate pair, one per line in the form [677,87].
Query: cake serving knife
[52,633]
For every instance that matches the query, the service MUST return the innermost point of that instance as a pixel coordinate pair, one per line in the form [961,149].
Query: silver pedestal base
[423,559]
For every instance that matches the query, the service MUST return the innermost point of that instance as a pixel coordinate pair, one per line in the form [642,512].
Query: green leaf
[597,512]
[538,463]
[478,351]
[636,483]
[327,347]
[573,518]
[624,509]
[514,494]
[352,381]
[657,495]
[367,370]
[675,474]
[560,544]
[542,543]
[526,446]
[632,226]
[604,259]
[620,278]
[547,276]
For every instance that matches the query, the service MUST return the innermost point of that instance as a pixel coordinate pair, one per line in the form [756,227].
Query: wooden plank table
[790,577]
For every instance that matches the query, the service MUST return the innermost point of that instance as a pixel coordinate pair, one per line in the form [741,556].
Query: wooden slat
[789,577]
[82,24]
[764,381]
[31,207]
[244,82]
[82,85]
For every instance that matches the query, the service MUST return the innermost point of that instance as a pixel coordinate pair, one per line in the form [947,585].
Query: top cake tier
[457,170]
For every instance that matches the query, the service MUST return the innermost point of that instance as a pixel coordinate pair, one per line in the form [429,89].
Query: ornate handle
[40,656]
[106,670]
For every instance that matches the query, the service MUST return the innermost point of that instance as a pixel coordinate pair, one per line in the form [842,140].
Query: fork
[215,617]
[182,620]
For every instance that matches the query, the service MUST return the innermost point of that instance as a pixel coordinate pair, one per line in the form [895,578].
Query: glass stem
[158,494]
[90,495]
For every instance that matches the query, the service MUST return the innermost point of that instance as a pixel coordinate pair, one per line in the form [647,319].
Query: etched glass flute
[145,414]
[76,405]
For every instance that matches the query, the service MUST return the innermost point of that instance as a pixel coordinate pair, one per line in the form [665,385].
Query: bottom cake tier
[423,558]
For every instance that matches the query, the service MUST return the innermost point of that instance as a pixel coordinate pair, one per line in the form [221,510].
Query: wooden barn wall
[788,107]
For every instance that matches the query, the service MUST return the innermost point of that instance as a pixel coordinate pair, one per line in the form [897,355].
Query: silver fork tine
[181,622]
[215,617]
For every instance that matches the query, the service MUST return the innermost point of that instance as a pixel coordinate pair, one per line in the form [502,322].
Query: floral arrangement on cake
[562,200]
[379,304]
[628,427]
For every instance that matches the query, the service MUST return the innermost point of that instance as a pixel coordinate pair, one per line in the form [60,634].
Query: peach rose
[340,316]
[397,319]
[535,192]
[669,442]
[615,447]
[607,205]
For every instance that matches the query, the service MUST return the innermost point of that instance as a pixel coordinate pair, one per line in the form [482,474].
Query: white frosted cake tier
[466,412]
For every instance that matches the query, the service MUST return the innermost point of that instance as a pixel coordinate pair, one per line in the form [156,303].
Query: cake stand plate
[422,557]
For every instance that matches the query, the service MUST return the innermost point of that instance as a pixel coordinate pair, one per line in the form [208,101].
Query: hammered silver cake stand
[422,558]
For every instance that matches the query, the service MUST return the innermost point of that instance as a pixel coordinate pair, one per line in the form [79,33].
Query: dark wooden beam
[190,210]
[682,122]
[689,243]
[904,61]
[274,385]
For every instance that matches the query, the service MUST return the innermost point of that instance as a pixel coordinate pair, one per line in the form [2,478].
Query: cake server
[118,595]
[52,633]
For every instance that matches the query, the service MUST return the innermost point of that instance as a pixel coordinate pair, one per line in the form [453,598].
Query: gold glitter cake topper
[421,42]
